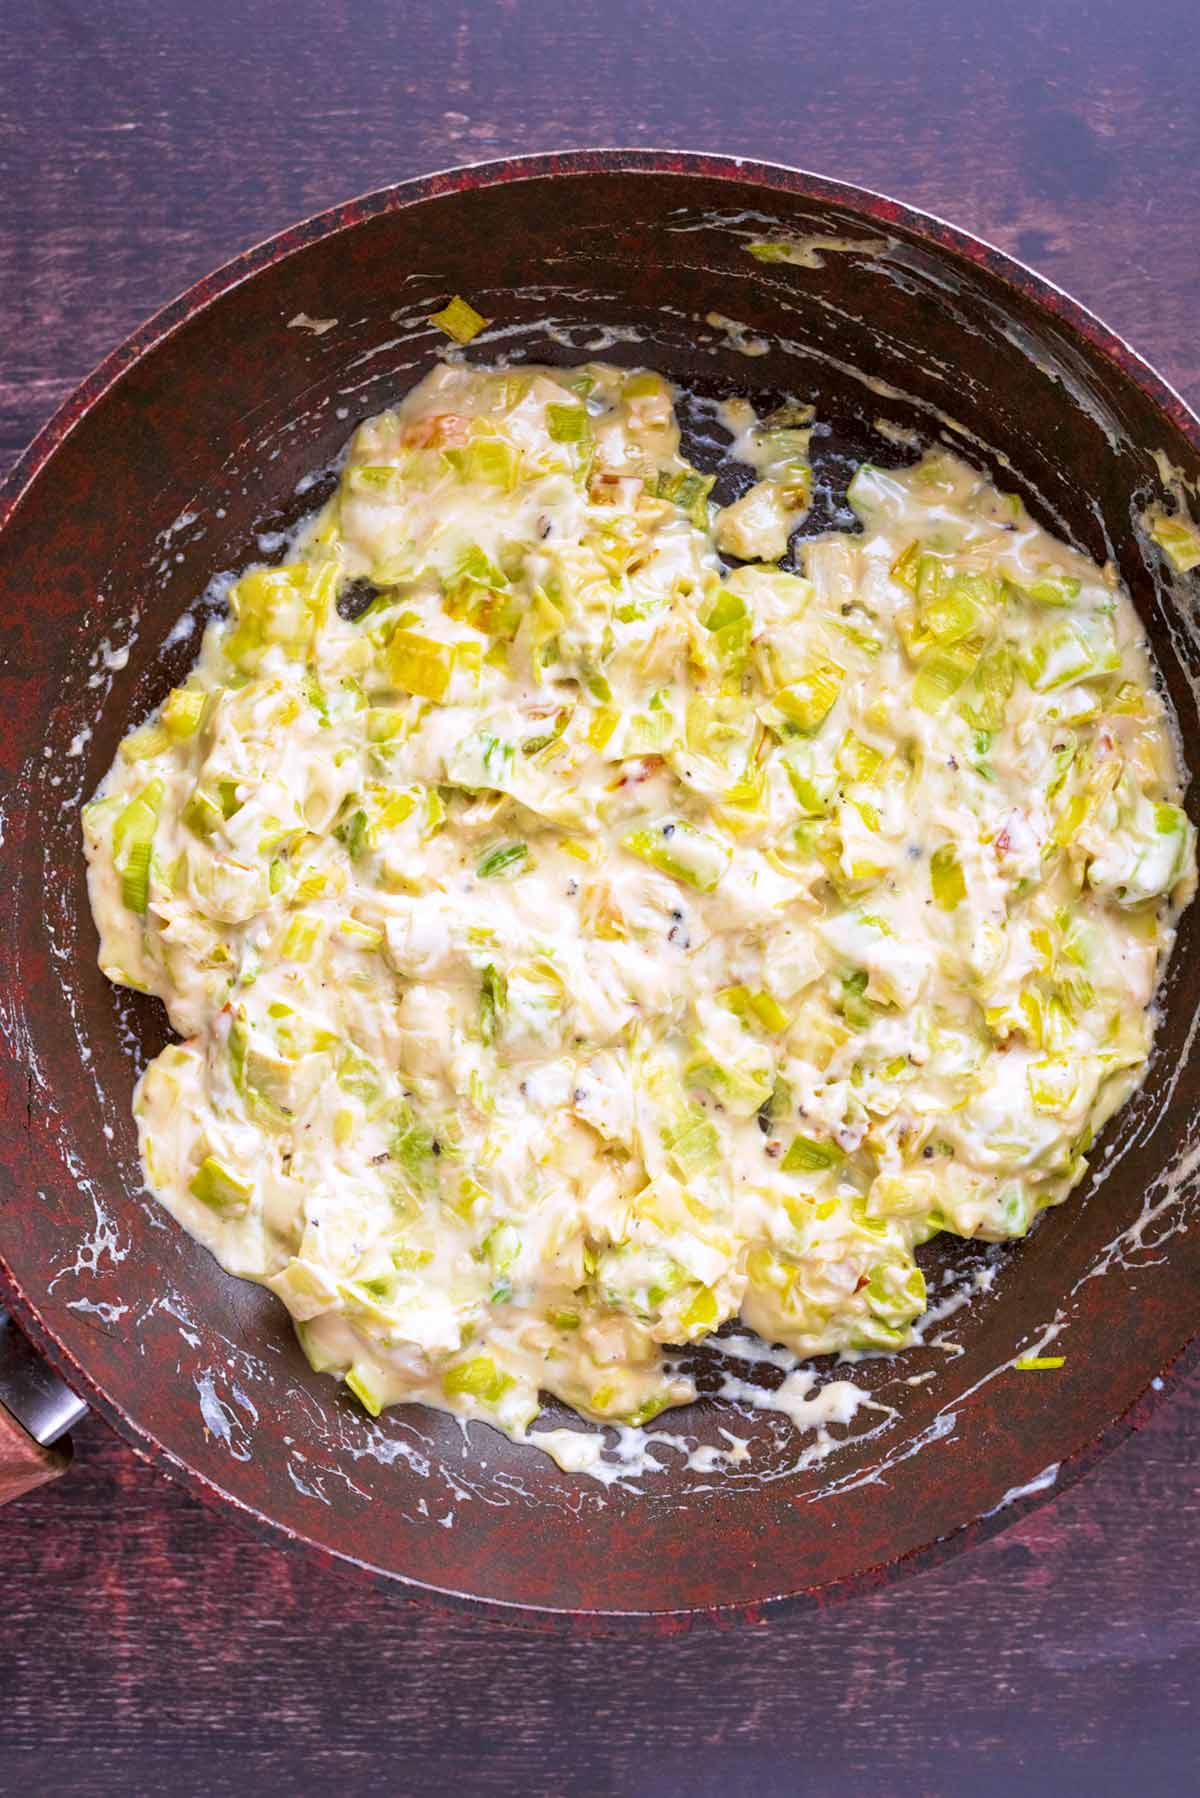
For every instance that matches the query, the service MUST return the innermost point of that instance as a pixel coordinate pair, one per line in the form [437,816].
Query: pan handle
[36,1411]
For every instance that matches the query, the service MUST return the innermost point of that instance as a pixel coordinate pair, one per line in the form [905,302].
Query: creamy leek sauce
[577,941]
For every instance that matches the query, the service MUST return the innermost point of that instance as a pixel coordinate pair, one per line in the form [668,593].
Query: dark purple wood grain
[148,1644]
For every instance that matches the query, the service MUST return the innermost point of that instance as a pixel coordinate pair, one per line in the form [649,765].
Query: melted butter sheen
[584,944]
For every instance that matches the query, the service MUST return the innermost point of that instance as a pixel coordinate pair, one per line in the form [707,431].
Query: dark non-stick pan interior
[182,460]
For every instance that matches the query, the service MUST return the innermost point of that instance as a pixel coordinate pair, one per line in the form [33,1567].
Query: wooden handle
[24,1463]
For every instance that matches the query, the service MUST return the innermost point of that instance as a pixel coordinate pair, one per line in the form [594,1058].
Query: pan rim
[208,291]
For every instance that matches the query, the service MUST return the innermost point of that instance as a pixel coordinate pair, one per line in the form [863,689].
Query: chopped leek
[807,701]
[420,665]
[459,319]
[364,1389]
[807,1156]
[946,877]
[677,848]
[1080,648]
[1178,539]
[218,1187]
[689,490]
[567,424]
[477,1378]
[493,998]
[502,861]
[132,841]
[183,710]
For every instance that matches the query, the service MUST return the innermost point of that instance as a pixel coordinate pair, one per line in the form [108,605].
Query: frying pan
[205,435]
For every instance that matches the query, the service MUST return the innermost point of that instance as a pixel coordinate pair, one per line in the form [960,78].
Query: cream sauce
[587,944]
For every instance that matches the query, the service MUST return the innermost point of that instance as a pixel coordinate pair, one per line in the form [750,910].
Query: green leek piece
[1178,539]
[132,841]
[904,568]
[776,1106]
[689,490]
[358,1076]
[386,723]
[595,683]
[727,608]
[1160,859]
[136,822]
[490,461]
[731,626]
[420,665]
[771,249]
[359,1381]
[647,1410]
[1053,590]
[503,861]
[1039,1363]
[1076,649]
[806,703]
[315,694]
[856,760]
[354,832]
[135,879]
[183,711]
[742,1090]
[218,1187]
[807,1156]
[239,1045]
[375,480]
[140,745]
[535,745]
[493,1001]
[1053,1084]
[677,848]
[1063,756]
[946,877]
[320,1359]
[943,672]
[959,612]
[501,1246]
[278,607]
[855,1006]
[985,696]
[475,568]
[478,1378]
[414,1148]
[360,936]
[702,1314]
[300,937]
[459,320]
[755,1008]
[812,780]
[692,1145]
[895,1294]
[643,385]
[568,424]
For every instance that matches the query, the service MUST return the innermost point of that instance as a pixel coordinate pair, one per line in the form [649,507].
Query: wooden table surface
[149,1646]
